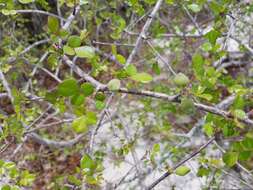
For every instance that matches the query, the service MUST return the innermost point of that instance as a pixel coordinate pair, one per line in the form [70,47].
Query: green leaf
[26,1]
[228,130]
[99,105]
[8,12]
[68,50]
[84,2]
[121,58]
[170,2]
[91,118]
[77,100]
[244,155]
[79,125]
[53,24]
[207,46]
[89,179]
[26,178]
[212,36]
[194,8]
[74,41]
[142,77]
[51,96]
[198,65]
[85,52]
[240,114]
[100,96]
[181,79]
[52,59]
[208,97]
[6,187]
[216,7]
[182,170]
[239,102]
[131,70]
[187,106]
[87,162]
[74,180]
[87,89]
[208,129]
[247,143]
[114,84]
[230,158]
[156,148]
[156,68]
[63,33]
[68,87]
[203,171]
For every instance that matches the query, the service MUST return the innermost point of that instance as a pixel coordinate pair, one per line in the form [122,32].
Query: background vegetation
[126,94]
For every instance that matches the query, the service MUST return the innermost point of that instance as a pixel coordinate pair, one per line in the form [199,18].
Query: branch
[110,57]
[33,45]
[3,95]
[222,113]
[161,58]
[99,123]
[82,74]
[6,86]
[55,144]
[110,44]
[137,164]
[224,104]
[166,174]
[163,96]
[40,12]
[158,95]
[12,59]
[71,18]
[143,32]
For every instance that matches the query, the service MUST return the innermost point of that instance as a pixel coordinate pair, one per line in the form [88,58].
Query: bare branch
[166,174]
[175,98]
[71,18]
[55,144]
[222,113]
[110,44]
[161,58]
[6,86]
[40,12]
[143,32]
[99,123]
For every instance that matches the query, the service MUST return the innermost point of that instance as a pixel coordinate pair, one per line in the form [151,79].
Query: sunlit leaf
[114,84]
[74,41]
[87,89]
[142,77]
[85,52]
[53,24]
[181,79]
[68,87]
[182,170]
[230,158]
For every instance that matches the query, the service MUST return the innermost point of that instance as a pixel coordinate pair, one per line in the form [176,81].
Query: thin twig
[71,17]
[6,86]
[137,164]
[111,44]
[161,58]
[102,115]
[39,12]
[143,32]
[55,144]
[175,98]
[166,174]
